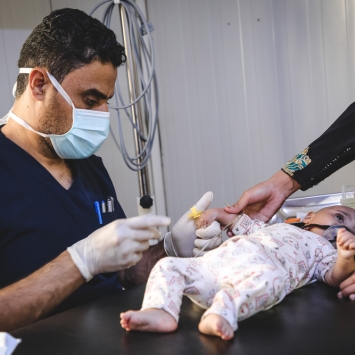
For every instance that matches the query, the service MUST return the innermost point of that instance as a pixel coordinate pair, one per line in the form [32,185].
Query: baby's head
[329,216]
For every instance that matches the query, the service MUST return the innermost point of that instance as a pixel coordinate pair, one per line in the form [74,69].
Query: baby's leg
[219,319]
[162,298]
[255,289]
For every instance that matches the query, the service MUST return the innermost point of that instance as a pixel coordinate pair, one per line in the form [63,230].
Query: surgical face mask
[330,232]
[89,129]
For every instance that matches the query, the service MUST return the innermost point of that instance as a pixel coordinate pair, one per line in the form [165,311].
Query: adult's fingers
[239,205]
[197,251]
[209,232]
[142,222]
[204,202]
[141,247]
[142,235]
[211,244]
[347,288]
[136,257]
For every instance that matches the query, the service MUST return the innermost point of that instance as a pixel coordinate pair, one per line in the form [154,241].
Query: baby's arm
[215,214]
[345,263]
[238,224]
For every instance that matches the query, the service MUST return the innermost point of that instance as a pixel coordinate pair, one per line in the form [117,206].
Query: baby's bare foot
[148,320]
[214,324]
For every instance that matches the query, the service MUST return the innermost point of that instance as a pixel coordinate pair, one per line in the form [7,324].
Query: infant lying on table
[248,273]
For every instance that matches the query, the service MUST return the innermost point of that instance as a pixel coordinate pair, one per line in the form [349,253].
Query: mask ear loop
[56,85]
[60,89]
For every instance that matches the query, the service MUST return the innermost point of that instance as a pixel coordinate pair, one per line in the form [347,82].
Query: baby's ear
[308,217]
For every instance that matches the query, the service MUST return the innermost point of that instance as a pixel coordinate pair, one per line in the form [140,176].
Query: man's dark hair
[65,40]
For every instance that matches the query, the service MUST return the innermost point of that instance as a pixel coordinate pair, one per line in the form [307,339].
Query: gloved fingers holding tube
[208,238]
[117,245]
[180,241]
[209,226]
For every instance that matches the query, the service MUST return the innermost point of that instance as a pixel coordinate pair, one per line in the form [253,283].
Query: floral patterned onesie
[247,274]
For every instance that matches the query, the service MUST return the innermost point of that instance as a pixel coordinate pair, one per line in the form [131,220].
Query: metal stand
[137,114]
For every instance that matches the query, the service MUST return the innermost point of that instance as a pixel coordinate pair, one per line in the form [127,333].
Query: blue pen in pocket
[98,211]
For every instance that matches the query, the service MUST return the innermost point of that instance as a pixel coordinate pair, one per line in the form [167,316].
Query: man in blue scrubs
[55,249]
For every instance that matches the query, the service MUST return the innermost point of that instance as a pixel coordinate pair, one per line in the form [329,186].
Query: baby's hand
[214,214]
[346,243]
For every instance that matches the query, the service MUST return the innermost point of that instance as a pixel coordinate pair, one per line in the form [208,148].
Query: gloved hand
[207,238]
[117,245]
[183,233]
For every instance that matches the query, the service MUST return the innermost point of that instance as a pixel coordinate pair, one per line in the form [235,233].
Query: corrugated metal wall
[244,85]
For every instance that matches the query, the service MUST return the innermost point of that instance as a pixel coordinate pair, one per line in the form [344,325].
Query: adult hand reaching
[116,246]
[263,200]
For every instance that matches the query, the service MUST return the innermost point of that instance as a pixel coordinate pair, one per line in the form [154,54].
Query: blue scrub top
[39,218]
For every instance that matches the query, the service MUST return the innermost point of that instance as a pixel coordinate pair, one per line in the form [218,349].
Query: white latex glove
[207,238]
[183,233]
[116,246]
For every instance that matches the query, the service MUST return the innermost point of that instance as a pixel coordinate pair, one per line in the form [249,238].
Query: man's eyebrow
[97,93]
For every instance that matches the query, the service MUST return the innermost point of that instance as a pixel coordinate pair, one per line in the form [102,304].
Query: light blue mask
[89,129]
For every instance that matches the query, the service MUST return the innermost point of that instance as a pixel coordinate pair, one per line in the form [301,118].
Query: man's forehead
[92,79]
[94,71]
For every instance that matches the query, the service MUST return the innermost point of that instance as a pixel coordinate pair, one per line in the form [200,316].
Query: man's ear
[37,81]
[308,217]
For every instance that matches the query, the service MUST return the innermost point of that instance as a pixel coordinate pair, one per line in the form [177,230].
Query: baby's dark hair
[65,40]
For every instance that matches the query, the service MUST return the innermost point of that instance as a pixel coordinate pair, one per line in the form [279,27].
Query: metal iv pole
[137,115]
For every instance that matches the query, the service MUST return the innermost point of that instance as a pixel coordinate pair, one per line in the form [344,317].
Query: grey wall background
[244,86]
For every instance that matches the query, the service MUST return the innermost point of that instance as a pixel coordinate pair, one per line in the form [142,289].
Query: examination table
[311,320]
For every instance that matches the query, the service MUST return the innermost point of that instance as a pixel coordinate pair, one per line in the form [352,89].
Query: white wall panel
[244,86]
[17,20]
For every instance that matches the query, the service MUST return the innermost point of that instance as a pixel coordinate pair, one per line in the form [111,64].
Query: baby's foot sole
[214,324]
[148,320]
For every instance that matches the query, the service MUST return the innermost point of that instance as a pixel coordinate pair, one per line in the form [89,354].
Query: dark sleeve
[331,151]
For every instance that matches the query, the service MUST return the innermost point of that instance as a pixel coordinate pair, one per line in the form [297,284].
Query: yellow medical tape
[195,213]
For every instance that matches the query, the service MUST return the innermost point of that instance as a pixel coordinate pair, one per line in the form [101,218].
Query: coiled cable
[144,59]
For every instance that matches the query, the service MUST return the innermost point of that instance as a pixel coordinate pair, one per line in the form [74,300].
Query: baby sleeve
[245,225]
[326,259]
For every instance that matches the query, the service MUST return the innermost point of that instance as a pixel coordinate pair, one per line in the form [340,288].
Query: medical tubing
[123,2]
[151,133]
[144,58]
[206,245]
[148,147]
[97,6]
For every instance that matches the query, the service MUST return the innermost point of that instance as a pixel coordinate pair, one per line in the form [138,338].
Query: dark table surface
[311,320]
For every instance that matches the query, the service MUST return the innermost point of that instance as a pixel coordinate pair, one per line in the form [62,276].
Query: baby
[249,273]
